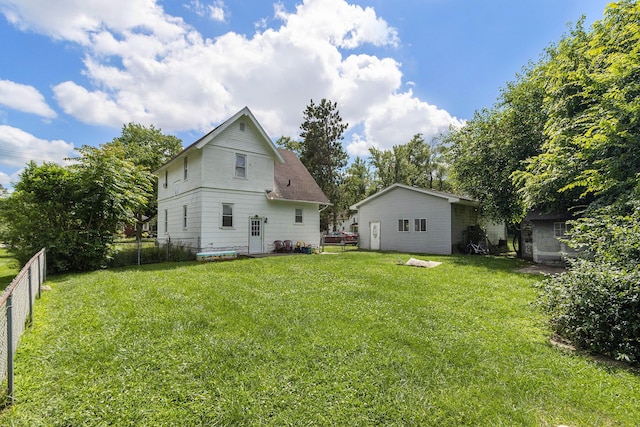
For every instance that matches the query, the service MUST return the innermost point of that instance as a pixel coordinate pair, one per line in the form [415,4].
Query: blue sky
[74,72]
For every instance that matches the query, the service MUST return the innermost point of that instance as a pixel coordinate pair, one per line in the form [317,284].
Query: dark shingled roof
[292,181]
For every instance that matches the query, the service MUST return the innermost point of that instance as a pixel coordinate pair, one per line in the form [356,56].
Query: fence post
[30,319]
[39,277]
[9,349]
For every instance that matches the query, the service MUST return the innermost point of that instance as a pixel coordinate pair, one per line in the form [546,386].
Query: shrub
[597,307]
[596,304]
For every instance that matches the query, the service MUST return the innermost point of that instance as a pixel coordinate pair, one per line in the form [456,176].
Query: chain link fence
[149,251]
[16,313]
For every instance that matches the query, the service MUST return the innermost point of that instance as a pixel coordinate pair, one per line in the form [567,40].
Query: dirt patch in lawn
[542,269]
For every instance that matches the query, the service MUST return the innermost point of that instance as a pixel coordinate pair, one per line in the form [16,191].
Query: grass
[9,268]
[352,339]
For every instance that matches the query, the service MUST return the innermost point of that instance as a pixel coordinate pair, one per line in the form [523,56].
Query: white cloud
[24,98]
[215,11]
[18,147]
[76,20]
[148,67]
[399,118]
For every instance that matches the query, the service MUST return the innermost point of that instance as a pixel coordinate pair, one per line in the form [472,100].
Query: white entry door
[255,236]
[374,236]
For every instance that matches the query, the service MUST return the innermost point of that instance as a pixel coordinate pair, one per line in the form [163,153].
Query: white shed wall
[401,203]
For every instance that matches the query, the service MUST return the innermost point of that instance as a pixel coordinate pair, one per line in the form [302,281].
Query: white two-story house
[234,190]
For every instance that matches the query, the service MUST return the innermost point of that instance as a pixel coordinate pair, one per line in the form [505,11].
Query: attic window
[241,127]
[186,168]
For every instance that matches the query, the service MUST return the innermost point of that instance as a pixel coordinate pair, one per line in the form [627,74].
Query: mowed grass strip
[346,339]
[9,268]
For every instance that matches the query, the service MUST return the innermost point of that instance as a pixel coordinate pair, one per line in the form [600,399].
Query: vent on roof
[241,127]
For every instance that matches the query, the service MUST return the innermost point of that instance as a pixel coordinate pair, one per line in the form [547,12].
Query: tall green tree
[356,183]
[415,163]
[485,153]
[148,148]
[592,147]
[322,153]
[74,211]
[290,144]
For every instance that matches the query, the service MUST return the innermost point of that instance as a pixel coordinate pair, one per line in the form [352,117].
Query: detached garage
[409,219]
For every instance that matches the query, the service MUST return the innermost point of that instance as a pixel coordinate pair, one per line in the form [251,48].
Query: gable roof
[293,182]
[204,140]
[451,198]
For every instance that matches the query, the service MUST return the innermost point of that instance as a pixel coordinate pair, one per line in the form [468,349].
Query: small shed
[411,219]
[541,235]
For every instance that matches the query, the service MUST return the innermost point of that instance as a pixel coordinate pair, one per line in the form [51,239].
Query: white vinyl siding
[400,203]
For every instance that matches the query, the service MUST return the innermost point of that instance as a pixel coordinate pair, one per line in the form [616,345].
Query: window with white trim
[403,225]
[227,215]
[166,220]
[186,168]
[184,216]
[420,225]
[559,229]
[298,216]
[241,165]
[166,178]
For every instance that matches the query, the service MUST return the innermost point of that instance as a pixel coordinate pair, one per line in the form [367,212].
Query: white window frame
[403,225]
[223,216]
[166,220]
[296,216]
[242,168]
[417,225]
[559,229]
[184,216]
[185,167]
[166,178]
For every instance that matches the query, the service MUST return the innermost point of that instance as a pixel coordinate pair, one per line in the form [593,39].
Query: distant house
[540,237]
[410,219]
[233,189]
[345,221]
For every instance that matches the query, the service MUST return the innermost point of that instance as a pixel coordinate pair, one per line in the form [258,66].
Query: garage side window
[403,225]
[227,215]
[420,225]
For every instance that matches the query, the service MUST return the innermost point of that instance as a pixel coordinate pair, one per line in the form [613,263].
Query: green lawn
[348,339]
[9,268]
